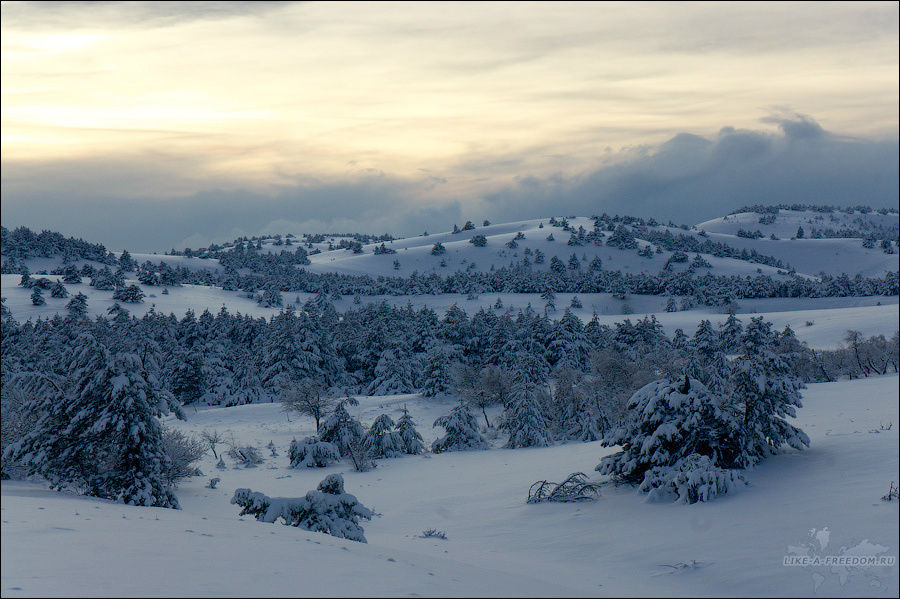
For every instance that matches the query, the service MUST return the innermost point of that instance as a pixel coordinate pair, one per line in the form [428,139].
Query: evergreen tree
[412,440]
[58,290]
[381,441]
[102,437]
[37,298]
[525,422]
[392,376]
[312,453]
[763,384]
[462,431]
[341,429]
[680,439]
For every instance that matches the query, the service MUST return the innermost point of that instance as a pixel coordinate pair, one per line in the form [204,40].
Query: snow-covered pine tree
[328,509]
[312,453]
[101,436]
[341,429]
[438,365]
[731,334]
[77,306]
[392,375]
[680,438]
[381,441]
[412,440]
[462,431]
[525,422]
[764,386]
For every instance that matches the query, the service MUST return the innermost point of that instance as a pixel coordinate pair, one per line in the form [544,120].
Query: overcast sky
[152,125]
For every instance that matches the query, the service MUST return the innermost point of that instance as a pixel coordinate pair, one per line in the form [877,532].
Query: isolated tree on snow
[381,441]
[679,438]
[412,440]
[462,431]
[328,509]
[312,452]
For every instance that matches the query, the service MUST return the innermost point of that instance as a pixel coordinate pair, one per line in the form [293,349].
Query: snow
[620,545]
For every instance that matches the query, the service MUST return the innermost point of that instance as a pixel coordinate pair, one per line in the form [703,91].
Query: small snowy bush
[246,455]
[312,453]
[575,488]
[692,479]
[328,509]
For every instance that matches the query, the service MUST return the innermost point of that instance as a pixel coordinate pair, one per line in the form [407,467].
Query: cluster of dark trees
[22,243]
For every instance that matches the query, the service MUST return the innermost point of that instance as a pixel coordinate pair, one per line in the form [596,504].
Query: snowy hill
[833,242]
[497,545]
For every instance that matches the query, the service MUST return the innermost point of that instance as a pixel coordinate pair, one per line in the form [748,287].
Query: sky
[155,125]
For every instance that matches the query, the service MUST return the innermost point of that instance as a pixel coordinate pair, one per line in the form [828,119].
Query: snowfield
[820,502]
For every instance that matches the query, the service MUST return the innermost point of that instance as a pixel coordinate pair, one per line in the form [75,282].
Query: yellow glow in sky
[255,97]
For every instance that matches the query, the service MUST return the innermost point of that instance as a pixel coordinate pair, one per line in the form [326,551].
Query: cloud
[690,178]
[374,203]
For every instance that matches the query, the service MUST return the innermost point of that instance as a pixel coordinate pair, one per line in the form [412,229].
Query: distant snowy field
[819,502]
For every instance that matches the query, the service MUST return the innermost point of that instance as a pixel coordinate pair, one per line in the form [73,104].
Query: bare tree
[212,438]
[310,397]
[482,388]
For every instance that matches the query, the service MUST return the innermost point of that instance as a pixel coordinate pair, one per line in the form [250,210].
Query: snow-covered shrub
[312,453]
[183,451]
[246,455]
[462,431]
[433,533]
[691,479]
[576,487]
[328,509]
[678,436]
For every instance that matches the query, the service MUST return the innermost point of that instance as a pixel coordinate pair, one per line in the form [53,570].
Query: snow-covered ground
[820,502]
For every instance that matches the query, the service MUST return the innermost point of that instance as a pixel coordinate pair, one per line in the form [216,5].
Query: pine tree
[462,431]
[58,290]
[392,375]
[680,439]
[100,435]
[37,298]
[341,429]
[412,440]
[525,422]
[381,441]
[437,370]
[763,384]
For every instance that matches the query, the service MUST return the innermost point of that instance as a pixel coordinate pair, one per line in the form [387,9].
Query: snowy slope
[812,256]
[496,544]
[414,253]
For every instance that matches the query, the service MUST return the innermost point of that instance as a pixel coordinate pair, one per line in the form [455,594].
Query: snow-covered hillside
[819,502]
[809,254]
